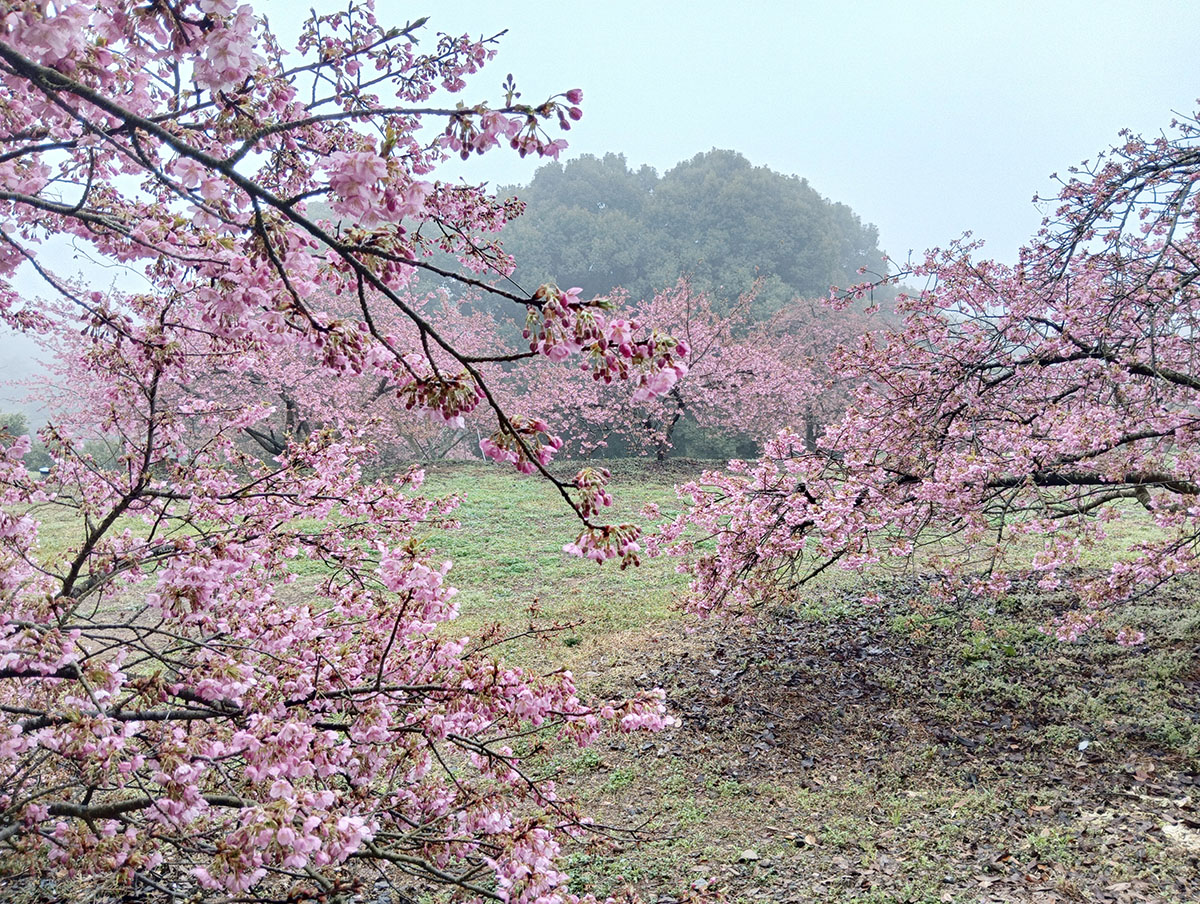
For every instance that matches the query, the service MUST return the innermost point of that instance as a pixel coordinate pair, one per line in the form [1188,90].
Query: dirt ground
[891,755]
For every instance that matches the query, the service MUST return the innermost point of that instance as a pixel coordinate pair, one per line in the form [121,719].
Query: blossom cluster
[523,442]
[592,495]
[561,324]
[619,541]
[441,397]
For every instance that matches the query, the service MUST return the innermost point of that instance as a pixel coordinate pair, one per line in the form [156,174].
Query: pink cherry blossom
[1014,415]
[237,681]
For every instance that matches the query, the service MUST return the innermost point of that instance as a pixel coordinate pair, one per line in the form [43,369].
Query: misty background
[926,119]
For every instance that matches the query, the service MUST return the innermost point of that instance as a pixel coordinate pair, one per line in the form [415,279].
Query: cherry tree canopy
[177,711]
[743,379]
[1016,414]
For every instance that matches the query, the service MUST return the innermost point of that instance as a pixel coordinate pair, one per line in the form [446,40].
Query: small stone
[748,856]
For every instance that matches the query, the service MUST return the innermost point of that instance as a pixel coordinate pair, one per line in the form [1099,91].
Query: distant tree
[742,380]
[716,218]
[807,335]
[302,400]
[12,425]
[586,219]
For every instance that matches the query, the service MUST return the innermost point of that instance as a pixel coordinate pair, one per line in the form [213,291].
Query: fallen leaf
[1184,837]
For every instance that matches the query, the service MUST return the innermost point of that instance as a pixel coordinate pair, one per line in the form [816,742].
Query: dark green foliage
[596,223]
[12,425]
[38,458]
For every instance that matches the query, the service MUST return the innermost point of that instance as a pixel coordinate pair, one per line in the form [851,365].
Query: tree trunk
[665,445]
[810,430]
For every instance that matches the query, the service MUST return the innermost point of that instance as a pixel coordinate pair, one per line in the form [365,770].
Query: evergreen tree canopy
[599,224]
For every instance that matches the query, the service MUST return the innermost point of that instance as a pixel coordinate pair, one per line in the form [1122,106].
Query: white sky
[927,117]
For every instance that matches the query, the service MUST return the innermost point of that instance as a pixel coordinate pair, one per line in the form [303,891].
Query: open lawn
[508,557]
[834,752]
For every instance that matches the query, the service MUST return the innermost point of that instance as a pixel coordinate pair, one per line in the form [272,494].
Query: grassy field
[834,752]
[904,752]
[508,557]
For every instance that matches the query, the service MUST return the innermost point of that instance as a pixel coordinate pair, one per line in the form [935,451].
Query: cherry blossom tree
[302,399]
[1016,414]
[178,714]
[742,379]
[804,337]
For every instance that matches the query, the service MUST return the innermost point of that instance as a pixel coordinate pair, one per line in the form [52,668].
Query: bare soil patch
[894,755]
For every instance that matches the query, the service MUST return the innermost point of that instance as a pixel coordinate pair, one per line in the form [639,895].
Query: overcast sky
[927,118]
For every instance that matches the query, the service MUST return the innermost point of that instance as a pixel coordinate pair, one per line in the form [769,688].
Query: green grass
[508,556]
[509,564]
